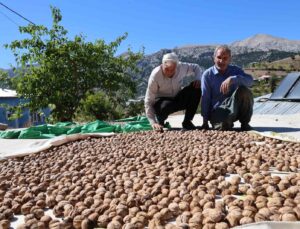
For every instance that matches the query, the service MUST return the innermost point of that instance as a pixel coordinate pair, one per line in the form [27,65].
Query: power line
[9,18]
[17,13]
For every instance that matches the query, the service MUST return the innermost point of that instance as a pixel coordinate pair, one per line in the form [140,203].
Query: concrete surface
[285,127]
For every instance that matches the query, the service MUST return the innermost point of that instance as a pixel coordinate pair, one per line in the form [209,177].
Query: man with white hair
[165,94]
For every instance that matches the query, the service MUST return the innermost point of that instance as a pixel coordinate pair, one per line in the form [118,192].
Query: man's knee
[165,107]
[157,106]
[244,92]
[192,89]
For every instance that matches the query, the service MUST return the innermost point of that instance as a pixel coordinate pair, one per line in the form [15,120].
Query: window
[36,117]
[9,113]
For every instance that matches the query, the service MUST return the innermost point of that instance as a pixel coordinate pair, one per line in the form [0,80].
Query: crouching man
[165,94]
[226,96]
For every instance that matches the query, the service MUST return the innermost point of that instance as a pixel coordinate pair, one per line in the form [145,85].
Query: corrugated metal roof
[5,93]
[264,106]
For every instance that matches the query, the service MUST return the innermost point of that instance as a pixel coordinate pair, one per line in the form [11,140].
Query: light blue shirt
[211,82]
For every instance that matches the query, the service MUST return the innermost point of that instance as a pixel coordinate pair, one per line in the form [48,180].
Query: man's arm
[240,78]
[190,68]
[150,99]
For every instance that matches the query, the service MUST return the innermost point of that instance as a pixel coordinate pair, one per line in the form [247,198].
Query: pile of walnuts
[157,180]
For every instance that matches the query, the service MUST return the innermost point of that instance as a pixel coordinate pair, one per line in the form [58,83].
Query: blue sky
[156,24]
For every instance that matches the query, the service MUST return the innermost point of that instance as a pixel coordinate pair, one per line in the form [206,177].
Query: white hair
[170,57]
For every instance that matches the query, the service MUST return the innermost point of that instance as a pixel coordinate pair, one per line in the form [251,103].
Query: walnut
[221,225]
[235,180]
[38,213]
[183,218]
[4,224]
[183,206]
[275,202]
[25,209]
[234,217]
[262,215]
[246,220]
[87,224]
[196,220]
[166,214]
[155,223]
[212,215]
[77,221]
[275,217]
[103,221]
[209,226]
[288,217]
[46,219]
[93,217]
[284,210]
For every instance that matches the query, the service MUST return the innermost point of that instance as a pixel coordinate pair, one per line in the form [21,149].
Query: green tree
[100,106]
[135,108]
[5,80]
[60,72]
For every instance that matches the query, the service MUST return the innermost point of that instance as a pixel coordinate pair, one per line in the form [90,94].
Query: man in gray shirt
[165,94]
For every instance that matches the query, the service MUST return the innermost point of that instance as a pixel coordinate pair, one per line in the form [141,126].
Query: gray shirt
[162,86]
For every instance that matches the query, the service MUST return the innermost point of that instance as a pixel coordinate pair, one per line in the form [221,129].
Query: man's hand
[157,127]
[225,86]
[205,125]
[196,84]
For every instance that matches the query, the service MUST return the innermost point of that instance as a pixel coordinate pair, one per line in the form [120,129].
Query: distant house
[264,77]
[10,98]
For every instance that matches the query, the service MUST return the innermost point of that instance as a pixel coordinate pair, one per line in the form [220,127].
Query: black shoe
[245,127]
[188,125]
[160,121]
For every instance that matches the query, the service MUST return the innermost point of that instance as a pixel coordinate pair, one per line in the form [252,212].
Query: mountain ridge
[265,42]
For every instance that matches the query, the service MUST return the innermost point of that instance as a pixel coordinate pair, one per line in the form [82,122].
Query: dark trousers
[239,106]
[187,99]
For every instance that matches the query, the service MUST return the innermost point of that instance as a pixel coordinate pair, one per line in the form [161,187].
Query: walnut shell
[114,225]
[103,221]
[4,224]
[234,217]
[221,225]
[212,215]
[246,220]
[46,219]
[288,217]
[77,221]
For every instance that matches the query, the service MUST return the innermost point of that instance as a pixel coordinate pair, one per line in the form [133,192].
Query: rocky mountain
[257,48]
[264,42]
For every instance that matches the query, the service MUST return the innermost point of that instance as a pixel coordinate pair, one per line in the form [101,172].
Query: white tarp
[20,147]
[270,225]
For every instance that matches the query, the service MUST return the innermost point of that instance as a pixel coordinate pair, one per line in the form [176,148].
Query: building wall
[26,120]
